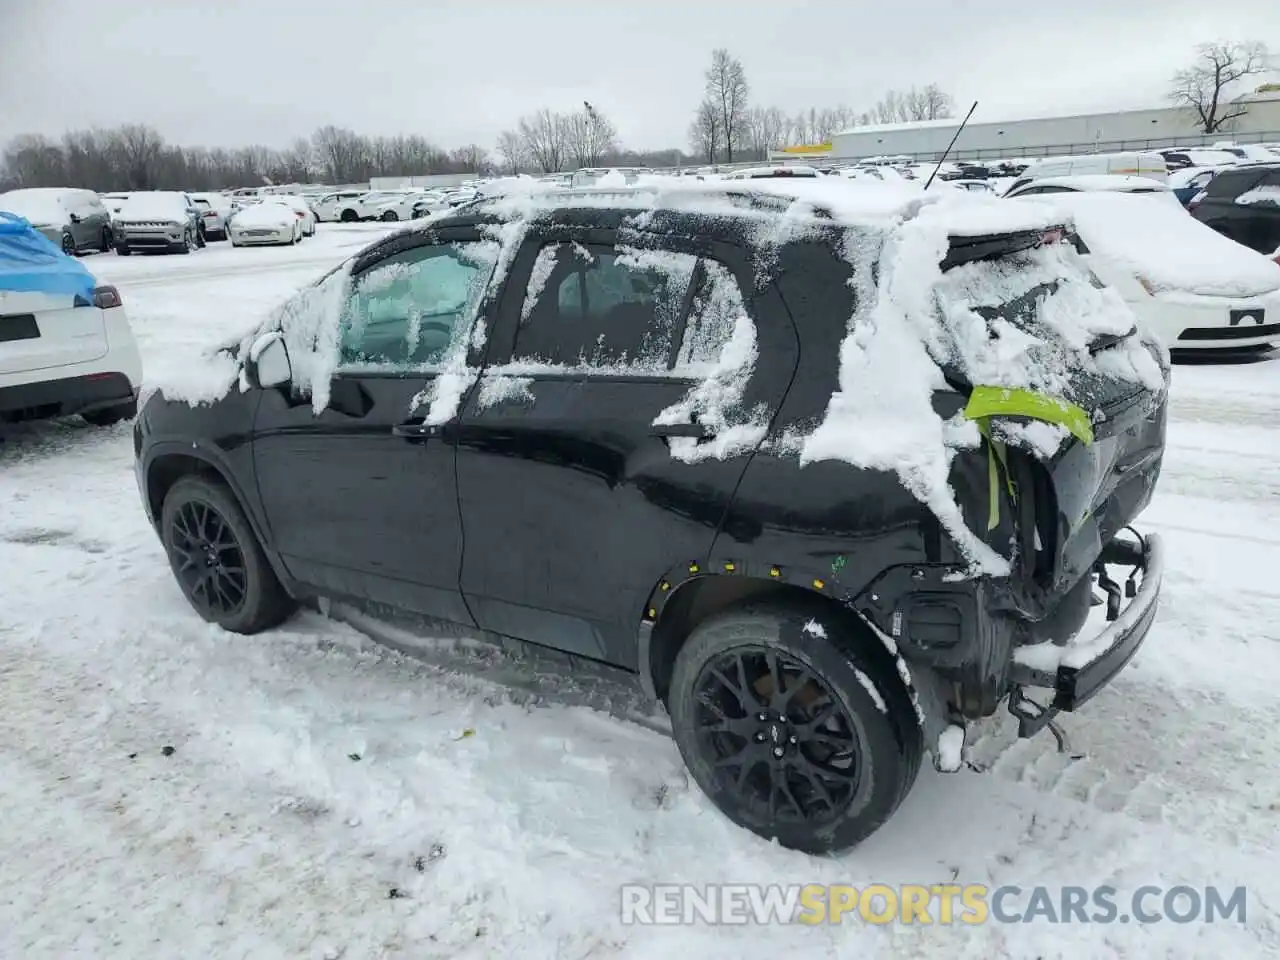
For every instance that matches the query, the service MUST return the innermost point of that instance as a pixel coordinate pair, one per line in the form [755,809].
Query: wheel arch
[688,595]
[167,466]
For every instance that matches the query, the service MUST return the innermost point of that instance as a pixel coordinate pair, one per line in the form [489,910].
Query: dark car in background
[600,406]
[76,220]
[1243,203]
[158,221]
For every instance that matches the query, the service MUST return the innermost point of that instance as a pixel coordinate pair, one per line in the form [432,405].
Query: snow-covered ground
[313,771]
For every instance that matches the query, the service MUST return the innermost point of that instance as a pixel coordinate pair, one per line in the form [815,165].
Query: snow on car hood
[265,215]
[169,207]
[1155,239]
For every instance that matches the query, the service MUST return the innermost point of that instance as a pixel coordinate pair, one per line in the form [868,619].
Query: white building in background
[1085,133]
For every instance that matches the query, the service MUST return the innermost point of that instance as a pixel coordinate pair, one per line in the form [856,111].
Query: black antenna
[942,159]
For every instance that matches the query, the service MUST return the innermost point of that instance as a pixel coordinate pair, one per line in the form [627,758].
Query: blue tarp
[32,263]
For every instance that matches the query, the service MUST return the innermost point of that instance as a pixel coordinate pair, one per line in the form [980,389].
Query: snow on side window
[716,402]
[614,310]
[710,324]
[408,311]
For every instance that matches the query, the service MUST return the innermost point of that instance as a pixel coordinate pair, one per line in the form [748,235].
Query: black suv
[581,421]
[1243,203]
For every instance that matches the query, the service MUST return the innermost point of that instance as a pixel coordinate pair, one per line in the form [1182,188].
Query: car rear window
[203,205]
[1231,183]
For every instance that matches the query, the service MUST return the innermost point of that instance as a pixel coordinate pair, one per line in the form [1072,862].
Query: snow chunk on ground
[1153,237]
[951,749]
[815,629]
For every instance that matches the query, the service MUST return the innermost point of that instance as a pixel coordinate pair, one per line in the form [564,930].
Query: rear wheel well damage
[699,598]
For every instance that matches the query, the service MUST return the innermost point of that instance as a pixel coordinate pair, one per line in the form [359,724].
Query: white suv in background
[329,206]
[62,355]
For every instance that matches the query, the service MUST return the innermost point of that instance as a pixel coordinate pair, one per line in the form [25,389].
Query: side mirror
[267,364]
[75,218]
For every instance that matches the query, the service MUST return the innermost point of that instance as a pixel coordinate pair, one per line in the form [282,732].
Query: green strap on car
[987,402]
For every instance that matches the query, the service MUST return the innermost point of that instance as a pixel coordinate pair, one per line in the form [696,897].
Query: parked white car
[366,206]
[329,206]
[409,205]
[62,355]
[214,209]
[265,223]
[1085,183]
[306,216]
[1194,287]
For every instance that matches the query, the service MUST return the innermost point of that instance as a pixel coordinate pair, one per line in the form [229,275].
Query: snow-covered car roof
[764,173]
[1154,238]
[266,214]
[42,206]
[289,200]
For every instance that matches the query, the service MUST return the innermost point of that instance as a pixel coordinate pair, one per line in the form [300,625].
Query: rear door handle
[415,431]
[698,431]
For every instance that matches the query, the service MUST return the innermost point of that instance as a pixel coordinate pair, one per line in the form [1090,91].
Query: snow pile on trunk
[912,321]
[1153,238]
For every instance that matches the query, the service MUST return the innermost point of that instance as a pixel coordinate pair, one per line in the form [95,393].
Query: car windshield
[39,208]
[203,205]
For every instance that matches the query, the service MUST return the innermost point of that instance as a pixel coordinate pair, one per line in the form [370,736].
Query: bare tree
[471,158]
[1203,86]
[141,146]
[512,150]
[705,131]
[930,102]
[589,136]
[544,134]
[765,129]
[727,90]
[341,153]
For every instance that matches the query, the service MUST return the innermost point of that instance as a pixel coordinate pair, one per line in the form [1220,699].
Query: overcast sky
[235,72]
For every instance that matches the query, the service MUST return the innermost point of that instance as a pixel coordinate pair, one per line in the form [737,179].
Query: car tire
[107,416]
[204,532]
[69,245]
[349,216]
[391,216]
[106,241]
[185,246]
[839,746]
[123,251]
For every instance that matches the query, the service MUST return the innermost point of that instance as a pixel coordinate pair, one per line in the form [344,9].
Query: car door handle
[415,431]
[698,431]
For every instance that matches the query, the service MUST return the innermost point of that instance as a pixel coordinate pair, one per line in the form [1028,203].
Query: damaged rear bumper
[1077,671]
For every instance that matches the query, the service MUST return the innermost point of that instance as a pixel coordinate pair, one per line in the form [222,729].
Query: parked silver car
[158,220]
[74,219]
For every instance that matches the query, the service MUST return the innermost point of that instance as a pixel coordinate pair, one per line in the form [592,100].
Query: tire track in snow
[1156,755]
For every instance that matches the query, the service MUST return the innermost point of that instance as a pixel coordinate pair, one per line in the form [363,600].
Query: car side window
[603,307]
[408,310]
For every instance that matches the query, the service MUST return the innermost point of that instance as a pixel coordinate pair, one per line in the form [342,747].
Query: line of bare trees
[136,157]
[727,127]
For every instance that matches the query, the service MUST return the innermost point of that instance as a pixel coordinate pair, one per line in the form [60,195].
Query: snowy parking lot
[310,792]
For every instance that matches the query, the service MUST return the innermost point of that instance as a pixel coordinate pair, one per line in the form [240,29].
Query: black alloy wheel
[794,721]
[217,559]
[782,742]
[210,560]
[69,244]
